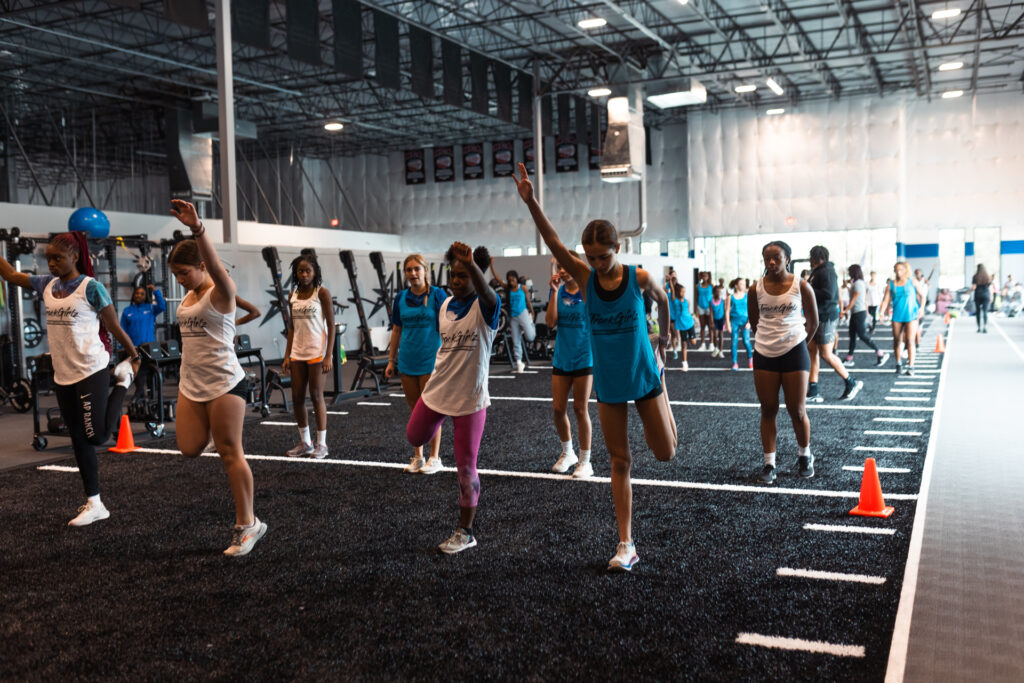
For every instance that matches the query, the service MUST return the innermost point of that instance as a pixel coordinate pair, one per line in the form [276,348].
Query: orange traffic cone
[125,440]
[947,318]
[871,503]
[940,346]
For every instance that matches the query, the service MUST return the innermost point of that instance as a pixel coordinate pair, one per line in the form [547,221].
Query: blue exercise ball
[92,222]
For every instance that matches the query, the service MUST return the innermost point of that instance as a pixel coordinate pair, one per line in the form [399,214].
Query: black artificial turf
[348,583]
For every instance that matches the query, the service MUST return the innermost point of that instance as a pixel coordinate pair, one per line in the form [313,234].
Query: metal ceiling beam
[792,29]
[919,33]
[852,19]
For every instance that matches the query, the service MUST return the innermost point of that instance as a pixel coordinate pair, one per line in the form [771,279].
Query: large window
[951,258]
[512,251]
[678,248]
[986,252]
[650,248]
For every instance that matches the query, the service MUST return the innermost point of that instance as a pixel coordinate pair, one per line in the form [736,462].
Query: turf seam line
[882,432]
[884,470]
[885,449]
[816,646]
[57,468]
[848,529]
[828,576]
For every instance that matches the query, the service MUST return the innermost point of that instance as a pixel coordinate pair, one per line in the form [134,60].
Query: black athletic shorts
[241,389]
[582,372]
[795,360]
[687,335]
[656,392]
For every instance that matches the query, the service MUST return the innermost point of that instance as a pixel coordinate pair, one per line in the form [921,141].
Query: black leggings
[873,312]
[90,415]
[981,310]
[859,328]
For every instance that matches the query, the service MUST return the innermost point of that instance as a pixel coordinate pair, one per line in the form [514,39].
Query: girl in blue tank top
[625,367]
[572,369]
[906,302]
[704,293]
[718,314]
[414,343]
[736,321]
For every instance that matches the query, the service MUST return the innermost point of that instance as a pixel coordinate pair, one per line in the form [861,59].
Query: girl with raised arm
[414,342]
[572,368]
[625,365]
[520,315]
[79,314]
[308,353]
[212,390]
[468,322]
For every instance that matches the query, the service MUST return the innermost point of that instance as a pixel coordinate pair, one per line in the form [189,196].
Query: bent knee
[666,452]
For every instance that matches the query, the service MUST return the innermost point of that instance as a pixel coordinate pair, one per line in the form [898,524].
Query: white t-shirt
[874,294]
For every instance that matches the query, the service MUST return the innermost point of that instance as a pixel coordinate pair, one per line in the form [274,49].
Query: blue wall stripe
[968,248]
[901,249]
[921,251]
[1011,247]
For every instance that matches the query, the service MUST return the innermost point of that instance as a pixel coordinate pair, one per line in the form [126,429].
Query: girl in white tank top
[308,355]
[212,388]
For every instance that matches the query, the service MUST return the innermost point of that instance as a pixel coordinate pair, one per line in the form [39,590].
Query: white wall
[861,163]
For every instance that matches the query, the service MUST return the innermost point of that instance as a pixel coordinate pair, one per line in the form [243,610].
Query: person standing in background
[824,284]
[873,297]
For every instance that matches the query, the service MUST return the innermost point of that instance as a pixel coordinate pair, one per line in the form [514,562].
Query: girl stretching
[906,300]
[520,315]
[625,366]
[468,321]
[78,314]
[780,353]
[308,354]
[704,292]
[572,368]
[414,343]
[736,321]
[212,390]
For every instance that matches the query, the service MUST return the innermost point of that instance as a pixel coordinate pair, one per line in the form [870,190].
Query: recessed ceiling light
[599,92]
[333,126]
[946,13]
[775,112]
[950,94]
[746,87]
[684,2]
[774,86]
[596,22]
[951,66]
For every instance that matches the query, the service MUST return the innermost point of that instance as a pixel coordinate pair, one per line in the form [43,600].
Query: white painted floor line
[337,412]
[882,432]
[885,449]
[371,403]
[913,383]
[57,468]
[734,488]
[817,646]
[1013,345]
[528,372]
[501,377]
[899,419]
[716,404]
[884,470]
[910,391]
[280,424]
[829,576]
[906,398]
[848,529]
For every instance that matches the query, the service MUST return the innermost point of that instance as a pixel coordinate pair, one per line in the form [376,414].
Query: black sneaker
[852,389]
[909,371]
[882,360]
[805,466]
[899,368]
[767,475]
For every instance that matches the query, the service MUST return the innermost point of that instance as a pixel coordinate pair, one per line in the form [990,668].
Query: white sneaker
[703,347]
[300,451]
[686,366]
[124,374]
[520,366]
[431,465]
[89,513]
[624,559]
[458,542]
[583,470]
[564,462]
[320,452]
[243,538]
[415,465]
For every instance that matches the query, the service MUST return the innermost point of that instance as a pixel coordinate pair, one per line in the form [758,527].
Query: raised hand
[462,252]
[186,213]
[523,184]
[555,282]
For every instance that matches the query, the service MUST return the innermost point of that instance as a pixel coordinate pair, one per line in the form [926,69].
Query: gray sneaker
[805,466]
[300,451]
[767,475]
[244,538]
[458,542]
[320,452]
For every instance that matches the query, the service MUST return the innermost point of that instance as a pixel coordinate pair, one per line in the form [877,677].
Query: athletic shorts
[241,389]
[795,360]
[311,361]
[687,335]
[826,332]
[719,324]
[582,372]
[703,311]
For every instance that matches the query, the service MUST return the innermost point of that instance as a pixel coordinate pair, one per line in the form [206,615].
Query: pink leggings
[467,429]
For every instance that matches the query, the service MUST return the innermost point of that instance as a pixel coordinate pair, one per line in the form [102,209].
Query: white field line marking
[846,529]
[882,432]
[859,371]
[910,391]
[497,377]
[886,470]
[337,412]
[899,419]
[735,488]
[280,424]
[829,576]
[1013,345]
[799,644]
[371,403]
[913,383]
[885,449]
[897,663]
[715,404]
[528,372]
[57,468]
[906,398]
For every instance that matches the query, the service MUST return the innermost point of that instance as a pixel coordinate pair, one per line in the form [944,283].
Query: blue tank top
[704,296]
[675,309]
[420,336]
[904,302]
[718,310]
[572,343]
[624,364]
[516,301]
[685,320]
[738,309]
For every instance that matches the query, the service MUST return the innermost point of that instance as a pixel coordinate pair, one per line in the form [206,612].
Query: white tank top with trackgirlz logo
[458,385]
[73,328]
[309,336]
[781,324]
[209,366]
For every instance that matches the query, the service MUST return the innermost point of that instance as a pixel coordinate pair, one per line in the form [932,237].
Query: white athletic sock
[584,455]
[769,458]
[304,434]
[95,500]
[567,446]
[805,450]
[321,437]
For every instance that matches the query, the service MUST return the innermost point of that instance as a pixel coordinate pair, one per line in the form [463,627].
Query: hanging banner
[566,155]
[444,164]
[503,155]
[473,161]
[414,172]
[528,159]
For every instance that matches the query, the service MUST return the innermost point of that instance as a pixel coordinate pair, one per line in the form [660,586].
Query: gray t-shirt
[860,289]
